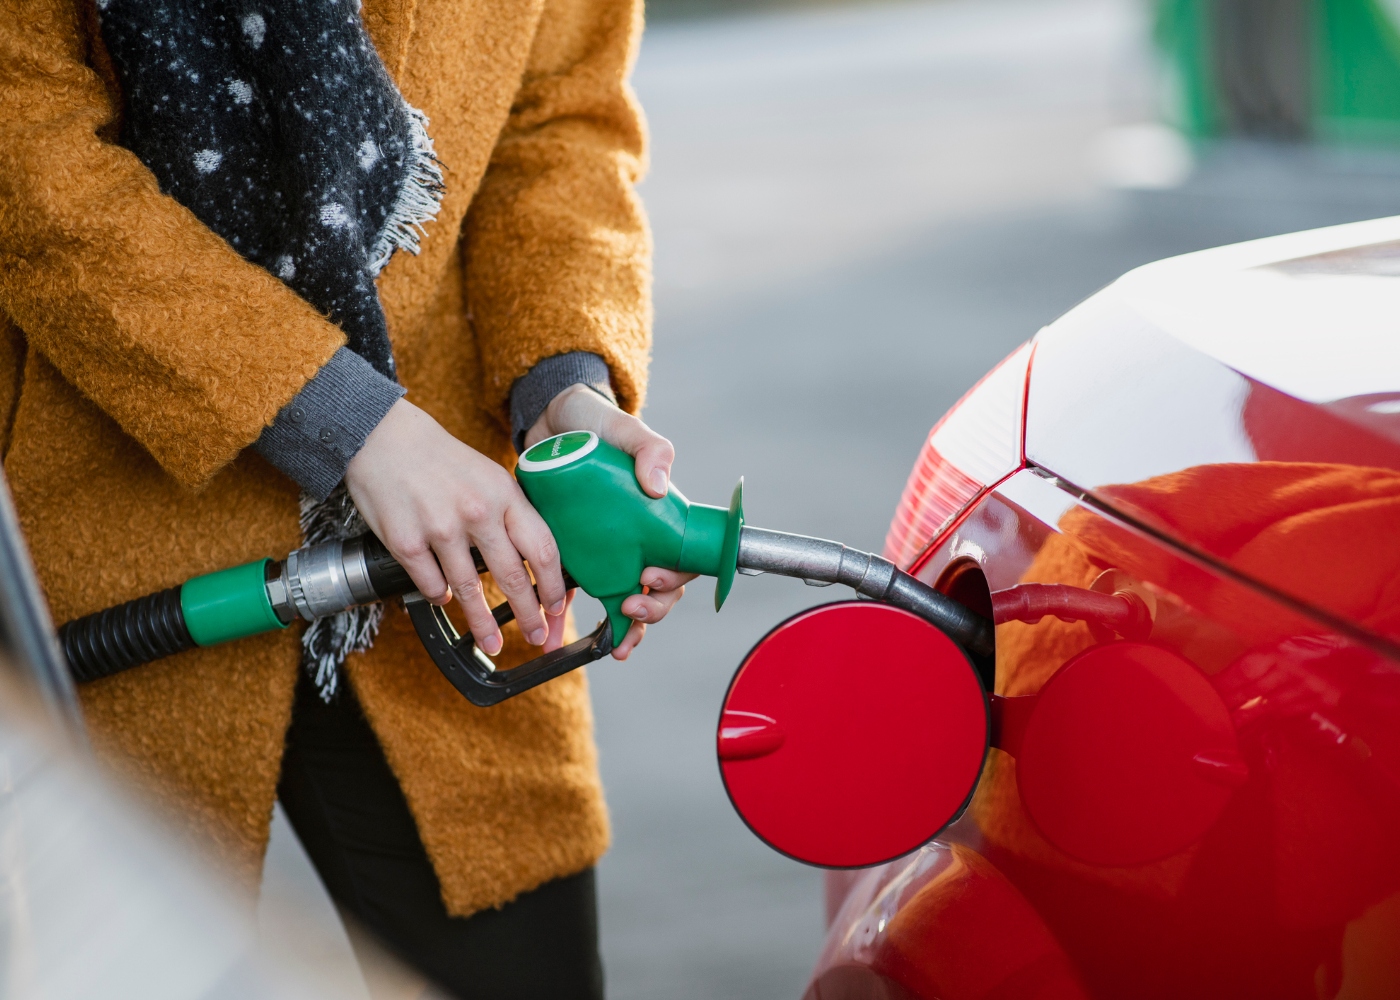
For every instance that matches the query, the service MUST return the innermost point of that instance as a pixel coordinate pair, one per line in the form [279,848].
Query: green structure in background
[1324,70]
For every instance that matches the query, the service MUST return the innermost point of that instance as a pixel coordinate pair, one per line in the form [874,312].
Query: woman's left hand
[579,408]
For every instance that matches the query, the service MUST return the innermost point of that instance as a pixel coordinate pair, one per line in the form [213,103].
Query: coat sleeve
[189,348]
[558,255]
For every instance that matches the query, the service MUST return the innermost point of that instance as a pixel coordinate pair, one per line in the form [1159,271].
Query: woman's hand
[579,408]
[430,498]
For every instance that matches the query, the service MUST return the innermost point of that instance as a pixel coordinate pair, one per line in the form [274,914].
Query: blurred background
[859,207]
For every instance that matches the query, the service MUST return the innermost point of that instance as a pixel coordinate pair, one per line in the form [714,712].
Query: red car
[1180,505]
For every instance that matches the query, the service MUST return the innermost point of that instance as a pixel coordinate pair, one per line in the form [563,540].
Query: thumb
[651,452]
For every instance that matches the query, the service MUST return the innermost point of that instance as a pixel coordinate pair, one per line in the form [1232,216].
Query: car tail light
[976,445]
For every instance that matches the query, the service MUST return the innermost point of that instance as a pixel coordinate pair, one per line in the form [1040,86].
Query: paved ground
[857,211]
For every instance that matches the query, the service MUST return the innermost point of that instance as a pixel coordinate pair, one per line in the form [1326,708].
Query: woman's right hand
[430,498]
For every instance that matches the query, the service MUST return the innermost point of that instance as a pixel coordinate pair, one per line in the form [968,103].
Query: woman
[196,342]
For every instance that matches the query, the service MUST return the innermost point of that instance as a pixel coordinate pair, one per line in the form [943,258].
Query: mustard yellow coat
[140,356]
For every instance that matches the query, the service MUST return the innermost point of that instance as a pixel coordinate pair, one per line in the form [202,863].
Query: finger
[629,641]
[533,540]
[556,625]
[456,559]
[509,574]
[417,557]
[653,455]
[665,579]
[651,607]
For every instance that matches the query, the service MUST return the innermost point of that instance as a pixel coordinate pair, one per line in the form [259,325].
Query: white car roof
[1314,314]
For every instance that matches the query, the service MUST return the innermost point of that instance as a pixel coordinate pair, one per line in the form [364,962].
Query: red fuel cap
[852,734]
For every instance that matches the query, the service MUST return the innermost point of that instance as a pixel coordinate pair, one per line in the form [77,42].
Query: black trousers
[351,816]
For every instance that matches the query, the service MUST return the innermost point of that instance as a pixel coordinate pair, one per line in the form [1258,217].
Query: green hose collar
[229,604]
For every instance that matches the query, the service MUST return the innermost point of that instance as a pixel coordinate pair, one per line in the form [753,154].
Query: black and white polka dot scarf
[276,124]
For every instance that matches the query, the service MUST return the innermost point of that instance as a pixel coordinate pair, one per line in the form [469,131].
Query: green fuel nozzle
[608,531]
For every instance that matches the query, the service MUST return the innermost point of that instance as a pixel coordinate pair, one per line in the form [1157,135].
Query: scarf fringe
[419,199]
[328,641]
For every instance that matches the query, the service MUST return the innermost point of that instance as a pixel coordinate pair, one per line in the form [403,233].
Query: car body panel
[1312,314]
[989,941]
[1260,905]
[1152,395]
[1250,504]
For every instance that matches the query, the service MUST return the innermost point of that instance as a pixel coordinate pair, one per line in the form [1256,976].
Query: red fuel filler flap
[852,734]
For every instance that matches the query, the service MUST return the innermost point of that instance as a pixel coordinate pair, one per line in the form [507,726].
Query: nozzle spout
[823,561]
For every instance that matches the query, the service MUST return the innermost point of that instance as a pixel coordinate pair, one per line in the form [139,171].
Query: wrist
[389,429]
[320,430]
[577,407]
[531,394]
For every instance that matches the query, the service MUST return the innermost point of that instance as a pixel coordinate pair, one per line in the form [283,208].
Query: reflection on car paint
[990,941]
[1258,481]
[1281,880]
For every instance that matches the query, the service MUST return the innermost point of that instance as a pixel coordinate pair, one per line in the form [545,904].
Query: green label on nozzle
[559,450]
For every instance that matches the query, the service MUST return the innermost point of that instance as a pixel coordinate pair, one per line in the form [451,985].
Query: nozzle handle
[608,530]
[461,661]
[386,575]
[471,671]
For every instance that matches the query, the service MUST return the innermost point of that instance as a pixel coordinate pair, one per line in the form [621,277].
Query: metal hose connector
[116,639]
[819,561]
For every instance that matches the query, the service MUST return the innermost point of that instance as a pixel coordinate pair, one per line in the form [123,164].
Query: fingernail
[492,644]
[640,615]
[658,480]
[538,636]
[556,609]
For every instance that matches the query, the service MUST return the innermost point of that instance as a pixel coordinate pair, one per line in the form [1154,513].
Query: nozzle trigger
[619,622]
[469,670]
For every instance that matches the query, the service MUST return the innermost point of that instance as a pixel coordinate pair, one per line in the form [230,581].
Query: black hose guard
[125,636]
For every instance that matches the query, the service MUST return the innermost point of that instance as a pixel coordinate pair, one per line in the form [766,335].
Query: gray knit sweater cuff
[315,435]
[534,390]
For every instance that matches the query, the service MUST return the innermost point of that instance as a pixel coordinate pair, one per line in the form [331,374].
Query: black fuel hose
[125,636]
[314,582]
